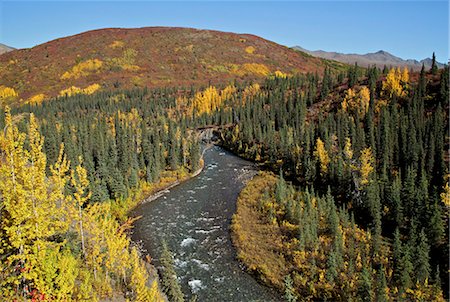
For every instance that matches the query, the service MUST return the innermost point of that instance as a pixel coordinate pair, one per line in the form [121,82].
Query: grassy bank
[304,246]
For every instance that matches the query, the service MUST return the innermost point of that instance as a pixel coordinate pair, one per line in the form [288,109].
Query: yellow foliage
[322,155]
[356,101]
[37,99]
[91,89]
[139,277]
[117,44]
[40,209]
[250,92]
[27,200]
[126,62]
[73,90]
[228,92]
[445,196]
[208,100]
[367,165]
[280,74]
[83,69]
[7,94]
[405,75]
[250,49]
[250,69]
[70,91]
[396,82]
[137,81]
[379,104]
[348,152]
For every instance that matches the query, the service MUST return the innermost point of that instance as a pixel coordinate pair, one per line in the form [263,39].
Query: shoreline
[151,269]
[160,192]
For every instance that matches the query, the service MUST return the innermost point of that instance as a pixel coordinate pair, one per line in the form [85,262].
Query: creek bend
[194,219]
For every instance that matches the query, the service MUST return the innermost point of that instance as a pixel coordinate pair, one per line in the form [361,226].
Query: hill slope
[152,56]
[5,48]
[379,58]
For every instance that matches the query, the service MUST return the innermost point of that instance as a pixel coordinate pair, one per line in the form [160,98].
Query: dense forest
[363,148]
[65,198]
[379,150]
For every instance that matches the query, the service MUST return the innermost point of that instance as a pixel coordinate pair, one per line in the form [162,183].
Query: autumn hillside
[153,56]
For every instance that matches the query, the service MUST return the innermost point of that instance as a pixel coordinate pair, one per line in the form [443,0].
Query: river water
[194,219]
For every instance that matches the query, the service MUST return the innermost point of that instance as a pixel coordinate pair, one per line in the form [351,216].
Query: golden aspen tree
[367,165]
[83,69]
[36,185]
[43,257]
[349,95]
[7,94]
[117,245]
[32,216]
[322,155]
[348,152]
[227,92]
[356,101]
[364,100]
[59,179]
[36,99]
[94,244]
[206,101]
[84,291]
[139,278]
[280,74]
[68,269]
[91,89]
[155,294]
[16,209]
[73,90]
[250,92]
[43,267]
[405,75]
[80,183]
[395,83]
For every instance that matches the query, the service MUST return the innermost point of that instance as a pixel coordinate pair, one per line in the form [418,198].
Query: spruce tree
[406,269]
[436,228]
[332,267]
[289,294]
[169,280]
[434,68]
[422,258]
[397,253]
[381,295]
[365,291]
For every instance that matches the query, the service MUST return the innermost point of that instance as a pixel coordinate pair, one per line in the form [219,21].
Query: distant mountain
[118,58]
[379,58]
[4,48]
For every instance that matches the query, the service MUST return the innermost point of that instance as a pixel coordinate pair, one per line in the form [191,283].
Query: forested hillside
[377,145]
[65,197]
[364,148]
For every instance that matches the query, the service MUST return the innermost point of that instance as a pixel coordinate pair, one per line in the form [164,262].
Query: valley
[319,180]
[194,219]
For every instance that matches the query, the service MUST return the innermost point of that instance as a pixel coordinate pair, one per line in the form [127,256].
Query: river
[194,219]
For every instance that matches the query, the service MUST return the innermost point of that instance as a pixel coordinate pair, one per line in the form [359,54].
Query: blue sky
[406,29]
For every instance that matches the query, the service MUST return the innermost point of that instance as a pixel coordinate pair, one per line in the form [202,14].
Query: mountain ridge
[5,48]
[379,58]
[147,57]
